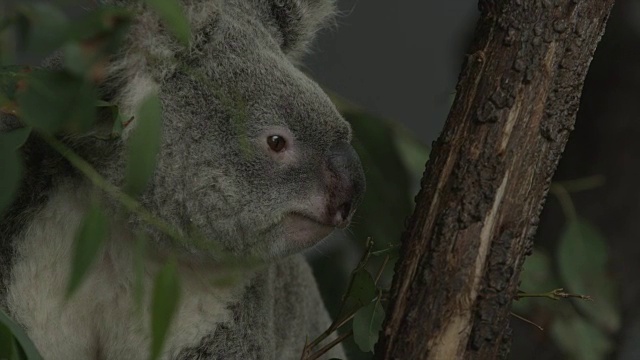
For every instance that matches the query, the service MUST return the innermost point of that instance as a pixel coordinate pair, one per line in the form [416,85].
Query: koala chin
[254,157]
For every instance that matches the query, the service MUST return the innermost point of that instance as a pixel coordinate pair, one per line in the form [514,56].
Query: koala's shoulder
[279,309]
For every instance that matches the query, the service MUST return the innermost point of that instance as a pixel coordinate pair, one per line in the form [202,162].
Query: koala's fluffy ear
[299,21]
[150,52]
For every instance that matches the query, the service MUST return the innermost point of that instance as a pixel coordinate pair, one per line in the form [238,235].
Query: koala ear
[300,21]
[150,51]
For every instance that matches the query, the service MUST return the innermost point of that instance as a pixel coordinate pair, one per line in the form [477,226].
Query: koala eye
[276,142]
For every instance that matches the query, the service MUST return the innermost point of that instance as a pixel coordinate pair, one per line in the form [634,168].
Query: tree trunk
[487,178]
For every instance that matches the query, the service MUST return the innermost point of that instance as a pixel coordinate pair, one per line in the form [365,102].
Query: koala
[254,157]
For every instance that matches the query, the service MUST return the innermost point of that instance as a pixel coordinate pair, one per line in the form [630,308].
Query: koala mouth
[305,230]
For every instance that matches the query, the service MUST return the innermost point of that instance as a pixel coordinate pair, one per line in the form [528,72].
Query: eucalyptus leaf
[10,77]
[173,15]
[12,170]
[361,291]
[76,60]
[367,324]
[582,264]
[89,239]
[101,31]
[166,295]
[144,144]
[11,164]
[25,344]
[93,38]
[384,208]
[14,139]
[8,345]
[579,339]
[44,27]
[363,288]
[54,100]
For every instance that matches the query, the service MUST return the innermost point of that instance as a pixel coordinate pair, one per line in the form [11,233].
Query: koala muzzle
[345,182]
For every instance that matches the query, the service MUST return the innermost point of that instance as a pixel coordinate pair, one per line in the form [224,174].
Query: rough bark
[486,181]
[604,143]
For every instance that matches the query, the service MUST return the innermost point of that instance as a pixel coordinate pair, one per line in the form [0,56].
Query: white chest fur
[100,321]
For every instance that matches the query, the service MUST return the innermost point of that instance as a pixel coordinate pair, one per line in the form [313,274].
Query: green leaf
[173,15]
[8,345]
[384,208]
[75,59]
[582,264]
[166,295]
[367,324]
[361,291]
[11,164]
[43,26]
[89,239]
[144,144]
[93,38]
[55,100]
[414,155]
[12,170]
[115,118]
[101,31]
[14,139]
[10,77]
[363,288]
[25,344]
[580,339]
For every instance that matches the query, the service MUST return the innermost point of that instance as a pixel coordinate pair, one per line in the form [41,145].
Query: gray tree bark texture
[487,178]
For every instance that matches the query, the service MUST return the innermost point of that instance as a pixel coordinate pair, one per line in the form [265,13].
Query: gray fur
[235,84]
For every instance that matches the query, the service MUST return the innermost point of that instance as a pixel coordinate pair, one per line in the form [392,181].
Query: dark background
[397,61]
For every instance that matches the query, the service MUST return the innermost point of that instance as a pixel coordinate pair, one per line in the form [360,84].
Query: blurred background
[392,70]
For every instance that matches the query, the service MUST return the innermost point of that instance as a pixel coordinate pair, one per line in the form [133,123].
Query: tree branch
[487,179]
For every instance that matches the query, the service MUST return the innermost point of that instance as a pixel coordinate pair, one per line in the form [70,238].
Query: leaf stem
[566,203]
[527,321]
[128,202]
[586,183]
[381,270]
[555,294]
[338,323]
[329,346]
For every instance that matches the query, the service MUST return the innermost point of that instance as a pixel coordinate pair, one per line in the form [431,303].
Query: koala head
[254,155]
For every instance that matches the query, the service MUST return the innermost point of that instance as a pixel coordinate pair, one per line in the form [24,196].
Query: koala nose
[346,183]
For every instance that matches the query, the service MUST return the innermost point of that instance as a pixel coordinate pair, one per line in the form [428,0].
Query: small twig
[338,323]
[587,183]
[555,294]
[385,250]
[365,256]
[346,319]
[381,270]
[566,203]
[135,207]
[329,346]
[527,321]
[128,202]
